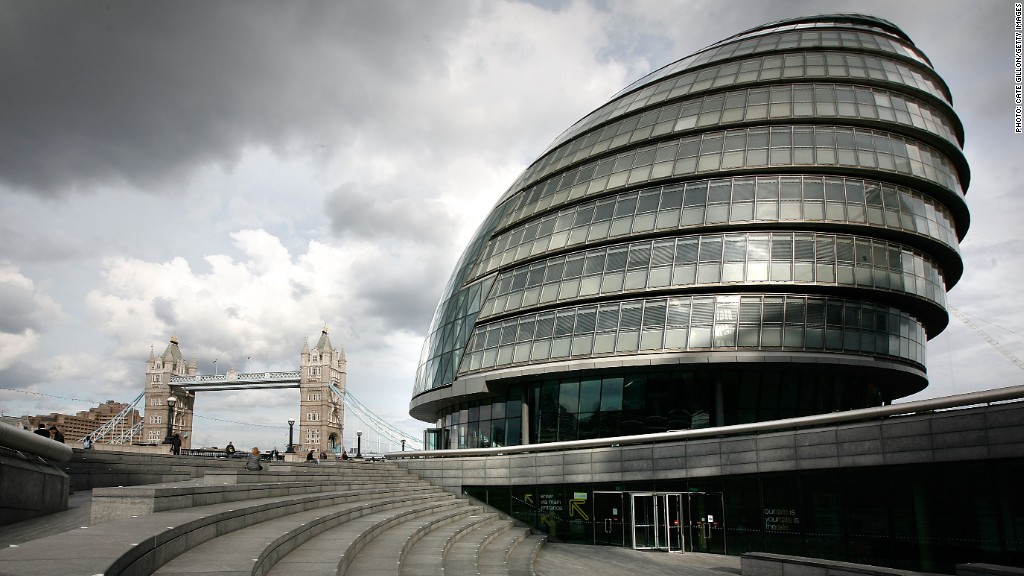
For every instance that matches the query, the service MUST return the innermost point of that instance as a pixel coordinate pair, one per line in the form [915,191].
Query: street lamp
[291,446]
[171,400]
[359,443]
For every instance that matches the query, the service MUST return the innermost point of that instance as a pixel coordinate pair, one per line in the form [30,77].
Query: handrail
[23,441]
[931,404]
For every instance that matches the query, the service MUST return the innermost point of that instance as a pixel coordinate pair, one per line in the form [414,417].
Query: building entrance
[704,522]
[667,521]
[657,521]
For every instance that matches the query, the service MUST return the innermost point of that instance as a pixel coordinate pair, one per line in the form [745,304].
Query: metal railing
[878,412]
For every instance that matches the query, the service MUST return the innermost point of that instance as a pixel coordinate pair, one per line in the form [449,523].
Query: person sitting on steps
[252,461]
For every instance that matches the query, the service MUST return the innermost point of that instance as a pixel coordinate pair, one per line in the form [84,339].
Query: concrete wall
[986,432]
[30,487]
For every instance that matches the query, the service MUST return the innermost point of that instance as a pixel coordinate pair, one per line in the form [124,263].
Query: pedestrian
[273,454]
[323,455]
[87,442]
[55,434]
[252,461]
[344,455]
[42,431]
[176,444]
[229,450]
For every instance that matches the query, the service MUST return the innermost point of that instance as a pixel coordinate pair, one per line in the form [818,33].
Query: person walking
[176,444]
[229,450]
[87,442]
[55,434]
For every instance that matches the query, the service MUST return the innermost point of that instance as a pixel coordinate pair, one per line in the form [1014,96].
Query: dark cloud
[19,309]
[403,298]
[117,91]
[163,309]
[379,215]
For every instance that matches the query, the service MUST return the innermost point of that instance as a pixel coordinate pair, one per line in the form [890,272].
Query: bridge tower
[159,370]
[322,410]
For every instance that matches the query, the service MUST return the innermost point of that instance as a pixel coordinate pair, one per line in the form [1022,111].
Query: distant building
[86,422]
[20,422]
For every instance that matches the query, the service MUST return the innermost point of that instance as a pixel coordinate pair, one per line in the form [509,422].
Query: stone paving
[572,559]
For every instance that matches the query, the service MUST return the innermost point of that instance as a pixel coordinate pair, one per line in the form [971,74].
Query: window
[156,419]
[313,416]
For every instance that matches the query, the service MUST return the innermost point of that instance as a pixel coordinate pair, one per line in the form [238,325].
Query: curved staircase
[332,519]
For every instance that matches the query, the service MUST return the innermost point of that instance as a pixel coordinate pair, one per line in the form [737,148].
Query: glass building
[764,229]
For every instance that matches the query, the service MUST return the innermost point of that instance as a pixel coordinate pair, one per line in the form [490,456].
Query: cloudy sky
[239,174]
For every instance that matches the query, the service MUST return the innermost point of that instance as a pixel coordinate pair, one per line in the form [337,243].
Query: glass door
[704,522]
[608,512]
[644,521]
[657,521]
[674,522]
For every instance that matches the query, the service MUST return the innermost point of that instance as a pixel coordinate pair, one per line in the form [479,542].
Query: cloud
[144,95]
[25,313]
[379,216]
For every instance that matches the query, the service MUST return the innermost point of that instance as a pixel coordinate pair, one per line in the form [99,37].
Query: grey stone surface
[858,433]
[910,426]
[30,488]
[953,422]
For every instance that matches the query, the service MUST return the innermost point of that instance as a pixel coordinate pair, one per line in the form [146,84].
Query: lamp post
[171,400]
[291,427]
[403,444]
[359,443]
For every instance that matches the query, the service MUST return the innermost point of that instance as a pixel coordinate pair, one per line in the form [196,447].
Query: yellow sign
[528,498]
[576,509]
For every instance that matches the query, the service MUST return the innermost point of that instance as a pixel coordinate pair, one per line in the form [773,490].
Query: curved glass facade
[766,228]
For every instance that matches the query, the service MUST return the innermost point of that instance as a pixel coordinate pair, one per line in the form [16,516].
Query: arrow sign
[528,498]
[574,508]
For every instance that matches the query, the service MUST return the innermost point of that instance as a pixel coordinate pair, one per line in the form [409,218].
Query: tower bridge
[172,384]
[235,381]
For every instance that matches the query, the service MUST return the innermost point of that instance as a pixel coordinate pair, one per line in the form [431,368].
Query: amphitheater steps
[426,556]
[259,547]
[290,520]
[520,561]
[369,544]
[463,557]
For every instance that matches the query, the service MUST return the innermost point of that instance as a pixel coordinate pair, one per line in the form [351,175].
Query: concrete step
[118,503]
[520,561]
[493,557]
[256,549]
[333,551]
[387,552]
[426,556]
[463,557]
[144,544]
